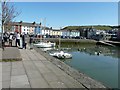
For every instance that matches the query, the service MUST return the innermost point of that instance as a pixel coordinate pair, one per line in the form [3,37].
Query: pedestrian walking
[31,41]
[5,36]
[10,39]
[18,39]
[24,43]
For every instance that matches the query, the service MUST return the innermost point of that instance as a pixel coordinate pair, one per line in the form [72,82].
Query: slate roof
[24,23]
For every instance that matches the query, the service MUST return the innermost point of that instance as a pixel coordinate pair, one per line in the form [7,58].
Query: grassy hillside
[98,27]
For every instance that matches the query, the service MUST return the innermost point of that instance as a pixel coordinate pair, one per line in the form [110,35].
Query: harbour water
[98,62]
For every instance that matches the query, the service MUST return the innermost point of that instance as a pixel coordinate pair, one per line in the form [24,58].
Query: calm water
[101,66]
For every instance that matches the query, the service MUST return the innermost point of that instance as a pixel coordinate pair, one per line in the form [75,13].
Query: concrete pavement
[35,71]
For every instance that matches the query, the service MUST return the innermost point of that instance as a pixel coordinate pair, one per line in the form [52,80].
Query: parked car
[77,37]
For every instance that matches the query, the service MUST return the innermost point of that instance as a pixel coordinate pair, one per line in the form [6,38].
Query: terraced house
[70,33]
[25,27]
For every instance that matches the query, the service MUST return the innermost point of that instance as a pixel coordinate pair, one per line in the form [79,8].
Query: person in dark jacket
[3,43]
[10,39]
[23,41]
[31,41]
[5,36]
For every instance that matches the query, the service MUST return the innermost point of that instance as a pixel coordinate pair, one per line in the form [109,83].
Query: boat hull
[61,55]
[45,45]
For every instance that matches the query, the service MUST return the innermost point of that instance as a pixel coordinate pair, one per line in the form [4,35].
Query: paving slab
[24,56]
[6,68]
[0,85]
[17,65]
[6,84]
[11,53]
[32,56]
[39,83]
[34,74]
[20,81]
[27,63]
[4,64]
[17,68]
[70,82]
[0,54]
[56,70]
[29,66]
[50,77]
[0,75]
[6,76]
[39,64]
[0,71]
[42,58]
[44,70]
[18,71]
[58,85]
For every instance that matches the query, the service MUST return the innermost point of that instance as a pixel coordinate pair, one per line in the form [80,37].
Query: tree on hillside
[8,13]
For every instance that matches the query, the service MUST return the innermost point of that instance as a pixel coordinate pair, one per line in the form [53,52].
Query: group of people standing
[20,41]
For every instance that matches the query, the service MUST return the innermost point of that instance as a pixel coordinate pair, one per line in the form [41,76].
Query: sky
[61,14]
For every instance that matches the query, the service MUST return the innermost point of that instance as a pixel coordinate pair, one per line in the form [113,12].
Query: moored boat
[61,55]
[45,44]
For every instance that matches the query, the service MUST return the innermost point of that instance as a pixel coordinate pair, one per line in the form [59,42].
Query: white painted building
[25,29]
[45,31]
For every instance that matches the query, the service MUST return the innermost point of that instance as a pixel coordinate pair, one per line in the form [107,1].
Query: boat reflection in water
[47,49]
[98,62]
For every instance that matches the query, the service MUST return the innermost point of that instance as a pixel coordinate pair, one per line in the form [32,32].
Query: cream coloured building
[55,32]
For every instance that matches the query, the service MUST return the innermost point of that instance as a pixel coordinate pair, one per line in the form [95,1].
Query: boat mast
[44,27]
[60,39]
[41,29]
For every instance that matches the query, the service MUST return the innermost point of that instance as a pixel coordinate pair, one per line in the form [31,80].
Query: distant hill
[98,27]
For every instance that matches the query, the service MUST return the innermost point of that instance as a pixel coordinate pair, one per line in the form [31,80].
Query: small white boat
[45,44]
[61,55]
